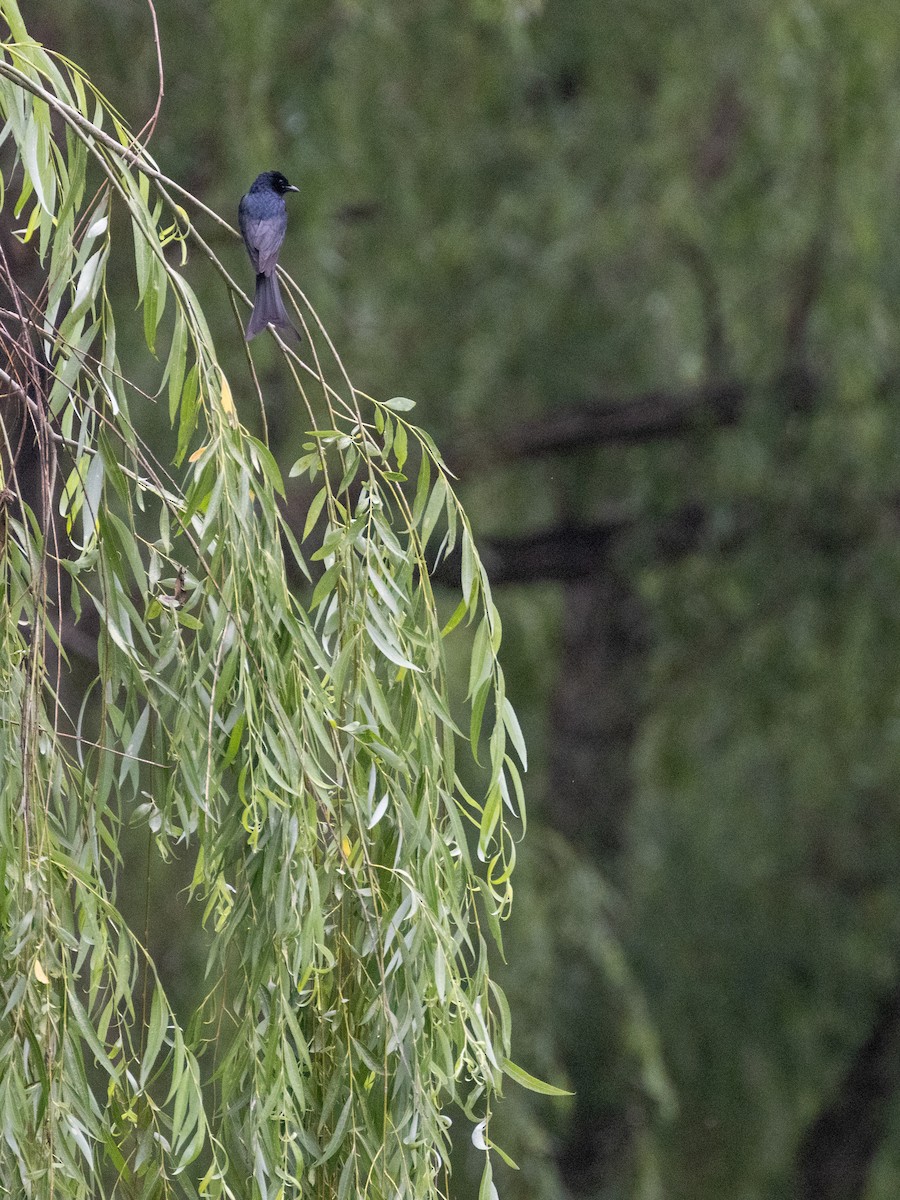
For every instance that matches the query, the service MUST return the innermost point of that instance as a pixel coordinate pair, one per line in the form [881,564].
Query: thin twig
[150,125]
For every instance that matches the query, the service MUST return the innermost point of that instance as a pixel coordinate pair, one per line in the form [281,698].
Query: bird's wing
[263,237]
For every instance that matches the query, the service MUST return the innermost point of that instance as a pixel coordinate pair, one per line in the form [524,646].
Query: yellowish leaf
[199,452]
[39,973]
[227,398]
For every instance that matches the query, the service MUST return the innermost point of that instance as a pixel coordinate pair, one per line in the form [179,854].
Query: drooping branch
[189,689]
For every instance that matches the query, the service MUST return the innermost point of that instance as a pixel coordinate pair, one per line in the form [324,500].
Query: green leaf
[508,1159]
[325,584]
[389,647]
[468,568]
[481,664]
[155,295]
[187,620]
[155,1035]
[433,510]
[143,258]
[458,613]
[400,446]
[307,462]
[489,819]
[187,412]
[530,1081]
[267,464]
[422,485]
[86,1029]
[176,365]
[513,728]
[36,155]
[477,717]
[85,289]
[487,1190]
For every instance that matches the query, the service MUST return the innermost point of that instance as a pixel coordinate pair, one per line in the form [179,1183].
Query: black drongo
[262,216]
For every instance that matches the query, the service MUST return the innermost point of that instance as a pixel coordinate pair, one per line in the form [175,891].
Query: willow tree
[303,749]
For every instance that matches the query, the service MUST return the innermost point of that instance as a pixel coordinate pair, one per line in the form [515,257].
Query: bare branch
[148,130]
[563,553]
[603,422]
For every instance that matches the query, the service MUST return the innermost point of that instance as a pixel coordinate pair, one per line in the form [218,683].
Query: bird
[262,217]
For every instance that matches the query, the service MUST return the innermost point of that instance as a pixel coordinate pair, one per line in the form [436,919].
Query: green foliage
[304,751]
[508,208]
[773,712]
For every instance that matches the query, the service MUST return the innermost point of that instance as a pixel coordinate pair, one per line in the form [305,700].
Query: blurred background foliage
[638,264]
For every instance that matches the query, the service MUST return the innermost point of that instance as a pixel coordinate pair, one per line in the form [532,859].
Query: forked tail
[268,309]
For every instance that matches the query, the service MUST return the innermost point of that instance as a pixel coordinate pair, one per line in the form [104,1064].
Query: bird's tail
[268,309]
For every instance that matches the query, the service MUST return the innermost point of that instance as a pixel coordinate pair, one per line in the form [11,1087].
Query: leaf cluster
[303,749]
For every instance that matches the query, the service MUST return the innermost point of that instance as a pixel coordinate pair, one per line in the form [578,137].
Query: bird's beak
[290,188]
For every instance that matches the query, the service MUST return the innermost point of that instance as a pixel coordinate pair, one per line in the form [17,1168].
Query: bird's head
[272,181]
